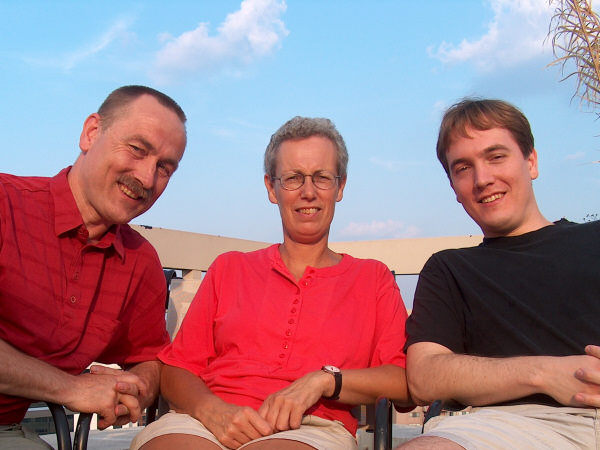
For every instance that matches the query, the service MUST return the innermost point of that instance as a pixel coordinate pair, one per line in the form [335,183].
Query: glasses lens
[291,180]
[323,180]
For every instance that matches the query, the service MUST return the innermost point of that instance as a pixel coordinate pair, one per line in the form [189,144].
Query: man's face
[493,181]
[307,212]
[125,167]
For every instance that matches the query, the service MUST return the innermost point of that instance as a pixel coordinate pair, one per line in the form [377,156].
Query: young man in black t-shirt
[510,326]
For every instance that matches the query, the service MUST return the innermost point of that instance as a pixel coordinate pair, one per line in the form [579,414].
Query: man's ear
[91,130]
[452,186]
[532,162]
[269,184]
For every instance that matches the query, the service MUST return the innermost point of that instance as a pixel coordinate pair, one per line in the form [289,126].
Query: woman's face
[307,212]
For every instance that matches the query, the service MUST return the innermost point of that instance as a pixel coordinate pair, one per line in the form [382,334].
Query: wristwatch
[337,374]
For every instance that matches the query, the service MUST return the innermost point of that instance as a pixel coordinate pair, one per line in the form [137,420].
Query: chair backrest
[180,293]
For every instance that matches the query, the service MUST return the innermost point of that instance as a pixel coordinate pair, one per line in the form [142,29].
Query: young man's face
[493,181]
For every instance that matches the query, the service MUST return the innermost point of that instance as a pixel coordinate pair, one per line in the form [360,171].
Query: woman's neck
[297,256]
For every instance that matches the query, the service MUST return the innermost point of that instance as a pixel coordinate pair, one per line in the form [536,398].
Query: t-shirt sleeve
[193,347]
[391,318]
[436,315]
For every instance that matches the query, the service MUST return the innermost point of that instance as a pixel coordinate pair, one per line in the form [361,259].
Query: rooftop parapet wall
[192,251]
[404,256]
[196,251]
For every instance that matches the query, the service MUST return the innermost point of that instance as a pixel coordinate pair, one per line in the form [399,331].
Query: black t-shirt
[534,294]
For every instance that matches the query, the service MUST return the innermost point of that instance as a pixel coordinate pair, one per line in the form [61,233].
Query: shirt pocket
[99,334]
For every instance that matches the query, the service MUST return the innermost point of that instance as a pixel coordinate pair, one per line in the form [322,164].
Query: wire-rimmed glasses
[290,181]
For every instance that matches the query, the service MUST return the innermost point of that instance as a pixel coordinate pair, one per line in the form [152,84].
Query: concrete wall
[196,251]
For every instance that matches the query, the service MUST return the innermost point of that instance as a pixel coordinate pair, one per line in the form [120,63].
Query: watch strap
[337,375]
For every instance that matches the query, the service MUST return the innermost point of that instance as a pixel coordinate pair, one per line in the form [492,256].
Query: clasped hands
[113,394]
[236,425]
[589,376]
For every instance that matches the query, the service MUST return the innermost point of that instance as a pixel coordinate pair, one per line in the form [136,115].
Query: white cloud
[252,32]
[117,32]
[516,34]
[575,156]
[378,230]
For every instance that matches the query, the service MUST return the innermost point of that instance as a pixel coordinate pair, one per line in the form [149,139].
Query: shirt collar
[324,272]
[67,216]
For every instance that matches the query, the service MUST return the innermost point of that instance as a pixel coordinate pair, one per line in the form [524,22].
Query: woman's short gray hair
[302,128]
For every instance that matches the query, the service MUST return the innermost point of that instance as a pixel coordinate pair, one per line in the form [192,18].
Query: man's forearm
[435,372]
[472,380]
[24,376]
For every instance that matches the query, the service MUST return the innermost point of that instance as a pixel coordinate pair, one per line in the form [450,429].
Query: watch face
[331,369]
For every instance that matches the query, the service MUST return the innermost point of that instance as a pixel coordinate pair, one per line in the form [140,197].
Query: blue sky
[382,71]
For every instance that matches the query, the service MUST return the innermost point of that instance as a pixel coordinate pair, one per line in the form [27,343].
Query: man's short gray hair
[302,128]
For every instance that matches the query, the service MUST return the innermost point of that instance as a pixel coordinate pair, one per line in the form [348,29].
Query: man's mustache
[134,186]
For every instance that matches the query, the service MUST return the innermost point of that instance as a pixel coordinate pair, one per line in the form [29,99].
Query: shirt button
[291,321]
[73,299]
[288,333]
[296,301]
[305,283]
[285,345]
[293,310]
[81,231]
[76,276]
[282,355]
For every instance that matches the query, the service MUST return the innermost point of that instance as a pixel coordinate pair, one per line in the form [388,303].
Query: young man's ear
[532,161]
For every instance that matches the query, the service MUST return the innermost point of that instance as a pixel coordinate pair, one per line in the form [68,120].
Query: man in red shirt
[77,284]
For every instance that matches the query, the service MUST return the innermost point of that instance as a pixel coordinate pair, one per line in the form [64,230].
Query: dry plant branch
[575,32]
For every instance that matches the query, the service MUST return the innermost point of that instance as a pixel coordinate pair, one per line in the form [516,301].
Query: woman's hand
[284,409]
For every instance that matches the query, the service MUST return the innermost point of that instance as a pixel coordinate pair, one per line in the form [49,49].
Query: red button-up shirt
[67,302]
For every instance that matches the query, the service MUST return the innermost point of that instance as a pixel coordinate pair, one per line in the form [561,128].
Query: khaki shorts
[319,433]
[520,426]
[17,437]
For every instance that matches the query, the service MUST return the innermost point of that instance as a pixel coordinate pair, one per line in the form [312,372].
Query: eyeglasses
[322,179]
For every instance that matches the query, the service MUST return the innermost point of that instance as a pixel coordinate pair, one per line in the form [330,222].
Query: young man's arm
[434,372]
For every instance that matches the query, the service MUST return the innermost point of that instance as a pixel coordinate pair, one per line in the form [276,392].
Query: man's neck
[95,227]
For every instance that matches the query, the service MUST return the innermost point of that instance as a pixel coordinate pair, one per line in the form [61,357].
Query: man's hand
[590,376]
[112,394]
[283,410]
[235,425]
[575,380]
[132,390]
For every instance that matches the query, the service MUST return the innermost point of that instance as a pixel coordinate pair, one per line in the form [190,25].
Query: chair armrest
[82,431]
[382,438]
[63,434]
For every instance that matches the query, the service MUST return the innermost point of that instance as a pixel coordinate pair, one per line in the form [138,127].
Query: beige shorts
[17,437]
[520,426]
[319,433]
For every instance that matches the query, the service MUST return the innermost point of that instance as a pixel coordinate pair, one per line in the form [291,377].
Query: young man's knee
[428,442]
